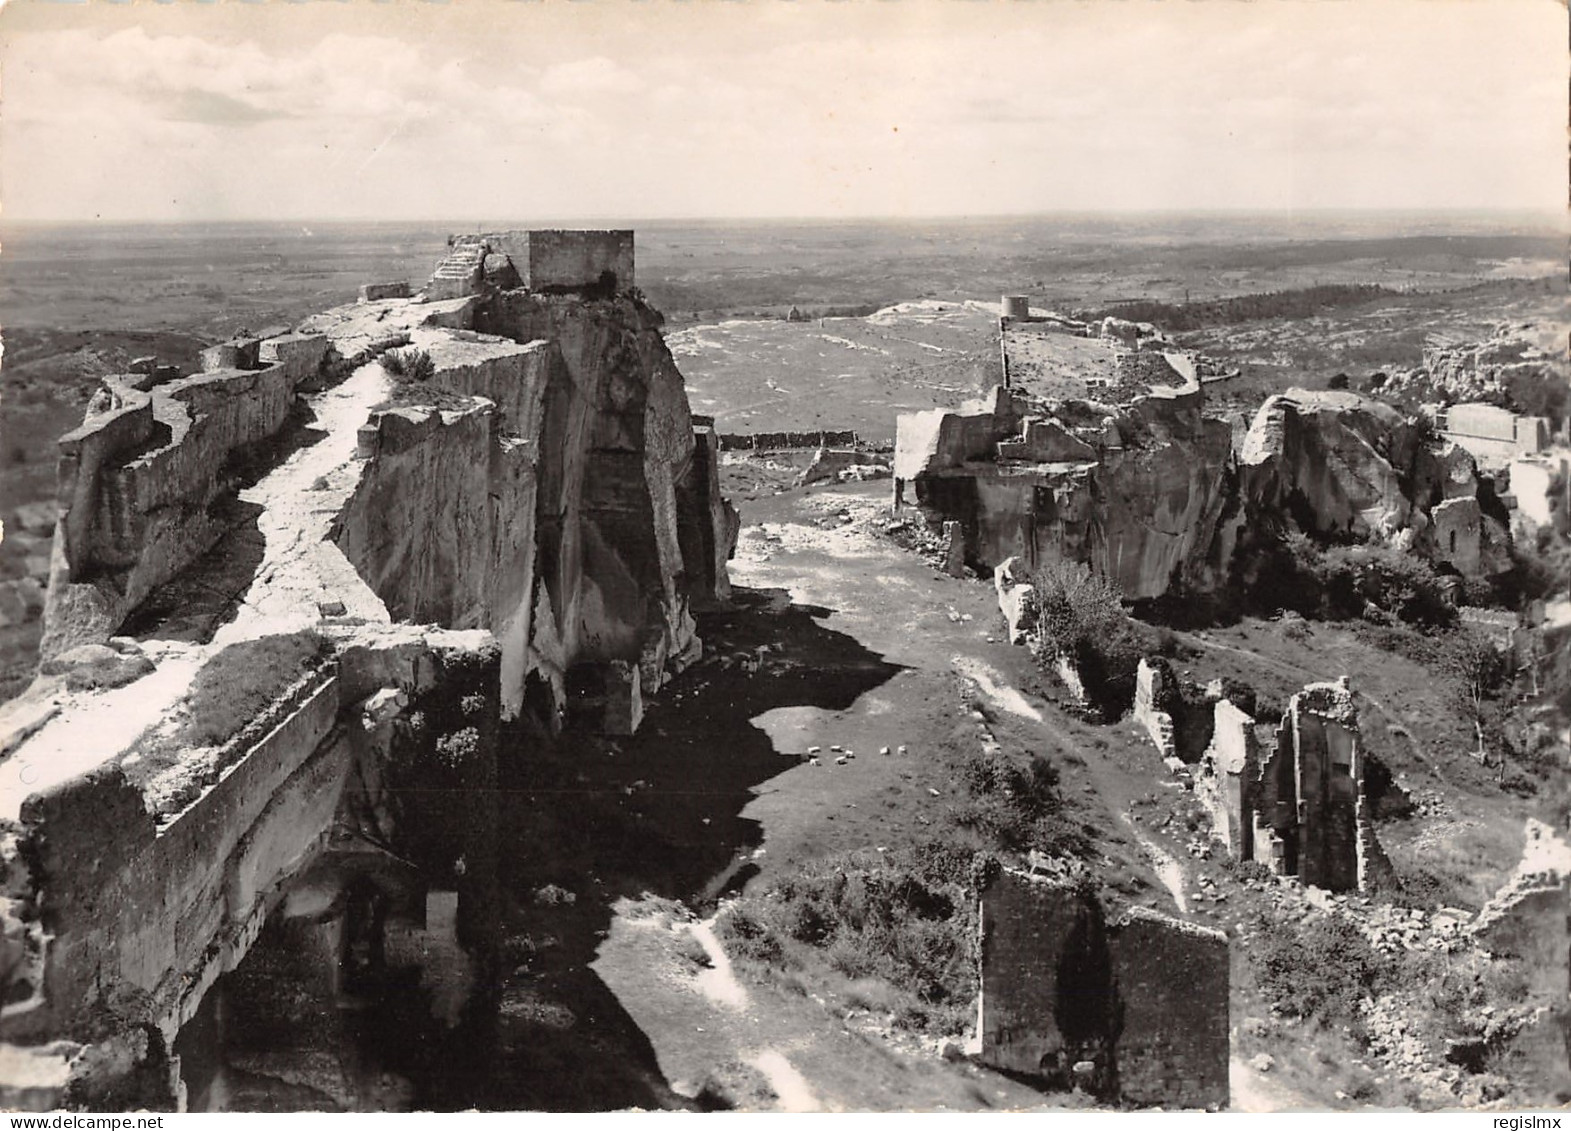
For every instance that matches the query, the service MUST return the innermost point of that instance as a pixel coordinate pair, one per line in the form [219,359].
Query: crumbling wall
[1529,921]
[1134,1011]
[143,917]
[771,441]
[1309,817]
[1016,600]
[1173,983]
[1231,762]
[1153,692]
[141,485]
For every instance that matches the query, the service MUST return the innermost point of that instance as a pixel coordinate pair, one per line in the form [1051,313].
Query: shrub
[1080,615]
[409,365]
[1392,580]
[1017,807]
[1324,970]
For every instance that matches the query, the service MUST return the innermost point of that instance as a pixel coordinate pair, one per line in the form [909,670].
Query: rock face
[1335,458]
[1159,497]
[1134,490]
[517,517]
[1133,1010]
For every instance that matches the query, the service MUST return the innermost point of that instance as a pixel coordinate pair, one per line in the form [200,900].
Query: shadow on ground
[658,813]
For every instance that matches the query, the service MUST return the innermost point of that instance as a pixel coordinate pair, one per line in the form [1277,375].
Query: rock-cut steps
[459,273]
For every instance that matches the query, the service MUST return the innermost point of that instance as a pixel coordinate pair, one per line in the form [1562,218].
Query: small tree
[1477,669]
[1080,616]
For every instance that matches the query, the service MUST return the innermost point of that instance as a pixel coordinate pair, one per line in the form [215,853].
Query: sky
[649,109]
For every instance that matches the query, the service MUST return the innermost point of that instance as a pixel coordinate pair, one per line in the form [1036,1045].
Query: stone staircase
[459,273]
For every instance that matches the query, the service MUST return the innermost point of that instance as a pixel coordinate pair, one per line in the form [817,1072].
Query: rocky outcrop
[1159,497]
[515,518]
[1333,460]
[1135,490]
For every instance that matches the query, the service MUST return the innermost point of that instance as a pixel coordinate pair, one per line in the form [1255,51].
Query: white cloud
[777,108]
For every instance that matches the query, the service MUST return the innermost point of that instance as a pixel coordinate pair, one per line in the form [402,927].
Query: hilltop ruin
[1099,448]
[293,592]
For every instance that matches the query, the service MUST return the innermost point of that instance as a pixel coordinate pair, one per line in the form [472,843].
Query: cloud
[210,107]
[594,76]
[689,109]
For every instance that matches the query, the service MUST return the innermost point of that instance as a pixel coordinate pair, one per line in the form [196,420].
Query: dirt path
[1167,867]
[854,774]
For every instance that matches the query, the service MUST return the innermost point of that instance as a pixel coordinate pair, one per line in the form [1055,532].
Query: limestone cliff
[450,511]
[1134,489]
[1161,497]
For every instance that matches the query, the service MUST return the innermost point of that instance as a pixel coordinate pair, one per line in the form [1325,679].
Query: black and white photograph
[784,556]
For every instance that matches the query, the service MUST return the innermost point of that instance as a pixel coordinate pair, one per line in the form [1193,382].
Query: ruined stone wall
[547,258]
[1173,983]
[1494,435]
[1135,1011]
[139,486]
[1309,816]
[142,918]
[1226,771]
[1036,936]
[770,441]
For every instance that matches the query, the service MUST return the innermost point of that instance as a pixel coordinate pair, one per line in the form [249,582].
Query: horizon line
[607,219]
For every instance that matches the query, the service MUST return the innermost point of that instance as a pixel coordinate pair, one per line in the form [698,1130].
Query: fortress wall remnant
[1042,948]
[381,292]
[1221,781]
[132,908]
[1134,1010]
[136,492]
[1494,435]
[1173,980]
[442,528]
[1307,804]
[773,441]
[547,259]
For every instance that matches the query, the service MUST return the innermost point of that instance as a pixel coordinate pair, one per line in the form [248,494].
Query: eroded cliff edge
[290,591]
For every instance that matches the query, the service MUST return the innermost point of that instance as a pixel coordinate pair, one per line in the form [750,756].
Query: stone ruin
[1101,450]
[1298,805]
[1132,1009]
[1529,919]
[520,538]
[540,260]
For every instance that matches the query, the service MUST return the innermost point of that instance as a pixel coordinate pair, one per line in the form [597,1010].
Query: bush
[1080,615]
[888,918]
[409,365]
[1017,807]
[1323,971]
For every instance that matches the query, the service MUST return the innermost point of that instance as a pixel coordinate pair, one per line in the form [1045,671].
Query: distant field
[838,373]
[61,287]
